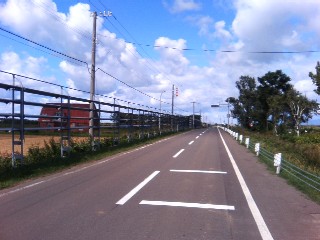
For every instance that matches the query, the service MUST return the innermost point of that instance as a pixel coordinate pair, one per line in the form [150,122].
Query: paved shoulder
[288,213]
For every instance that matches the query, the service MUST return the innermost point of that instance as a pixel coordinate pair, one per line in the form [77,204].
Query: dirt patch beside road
[30,141]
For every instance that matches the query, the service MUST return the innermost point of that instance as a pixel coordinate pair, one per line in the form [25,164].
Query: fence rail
[68,115]
[282,165]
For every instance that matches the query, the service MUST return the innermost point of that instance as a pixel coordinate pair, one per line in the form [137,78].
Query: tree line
[272,103]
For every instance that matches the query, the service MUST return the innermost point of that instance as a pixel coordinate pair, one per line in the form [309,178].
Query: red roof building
[56,114]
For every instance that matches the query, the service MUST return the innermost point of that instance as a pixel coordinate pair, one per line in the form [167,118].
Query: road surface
[197,185]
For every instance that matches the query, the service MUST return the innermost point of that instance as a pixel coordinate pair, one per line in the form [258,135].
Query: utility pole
[93,75]
[93,71]
[160,113]
[172,99]
[172,107]
[193,114]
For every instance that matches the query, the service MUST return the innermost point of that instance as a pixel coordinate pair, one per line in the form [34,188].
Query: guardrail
[307,178]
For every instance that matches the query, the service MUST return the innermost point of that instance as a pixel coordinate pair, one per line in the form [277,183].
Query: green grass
[300,151]
[47,160]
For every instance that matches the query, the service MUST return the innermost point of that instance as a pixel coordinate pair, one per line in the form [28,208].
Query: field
[30,140]
[6,148]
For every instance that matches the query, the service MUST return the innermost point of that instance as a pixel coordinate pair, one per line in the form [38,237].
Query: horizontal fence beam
[67,114]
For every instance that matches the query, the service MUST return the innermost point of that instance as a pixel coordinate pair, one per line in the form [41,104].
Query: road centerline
[123,200]
[191,142]
[178,153]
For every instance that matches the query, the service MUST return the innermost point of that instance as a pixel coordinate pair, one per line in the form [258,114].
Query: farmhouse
[56,115]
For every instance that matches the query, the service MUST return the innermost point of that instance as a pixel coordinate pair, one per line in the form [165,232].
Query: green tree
[277,109]
[244,108]
[301,108]
[316,78]
[271,84]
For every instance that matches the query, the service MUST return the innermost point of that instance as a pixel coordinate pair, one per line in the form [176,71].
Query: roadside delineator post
[257,148]
[240,139]
[277,162]
[247,142]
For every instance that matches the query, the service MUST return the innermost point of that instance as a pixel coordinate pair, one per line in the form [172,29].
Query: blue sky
[206,77]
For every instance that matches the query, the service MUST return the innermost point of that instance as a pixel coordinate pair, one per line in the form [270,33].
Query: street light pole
[221,104]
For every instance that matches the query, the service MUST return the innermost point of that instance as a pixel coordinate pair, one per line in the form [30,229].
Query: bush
[49,153]
[81,146]
[308,139]
[5,163]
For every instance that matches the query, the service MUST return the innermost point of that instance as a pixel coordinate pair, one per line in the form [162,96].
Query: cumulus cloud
[221,32]
[264,25]
[182,6]
[270,25]
[172,57]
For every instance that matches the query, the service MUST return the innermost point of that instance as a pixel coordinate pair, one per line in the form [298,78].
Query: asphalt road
[198,185]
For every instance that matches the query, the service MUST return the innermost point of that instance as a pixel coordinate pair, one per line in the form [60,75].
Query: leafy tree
[316,78]
[277,108]
[301,108]
[244,108]
[271,84]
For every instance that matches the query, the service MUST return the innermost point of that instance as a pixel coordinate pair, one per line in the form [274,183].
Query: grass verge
[44,161]
[291,153]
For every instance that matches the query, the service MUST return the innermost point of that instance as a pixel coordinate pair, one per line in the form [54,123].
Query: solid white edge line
[188,205]
[262,226]
[191,142]
[178,153]
[137,189]
[197,171]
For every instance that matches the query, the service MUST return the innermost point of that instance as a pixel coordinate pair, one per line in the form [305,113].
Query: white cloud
[271,25]
[221,32]
[183,5]
[260,25]
[205,24]
[23,65]
[172,59]
[11,62]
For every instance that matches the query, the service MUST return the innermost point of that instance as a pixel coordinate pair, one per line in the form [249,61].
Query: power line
[74,89]
[52,54]
[57,52]
[224,51]
[40,45]
[155,69]
[130,86]
[85,35]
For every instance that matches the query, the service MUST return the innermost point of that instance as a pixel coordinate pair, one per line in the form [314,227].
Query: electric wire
[157,71]
[60,20]
[84,34]
[45,47]
[41,50]
[130,86]
[59,53]
[74,89]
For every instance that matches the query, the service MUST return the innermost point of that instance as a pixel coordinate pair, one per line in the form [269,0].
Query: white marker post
[240,139]
[277,162]
[257,148]
[247,142]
